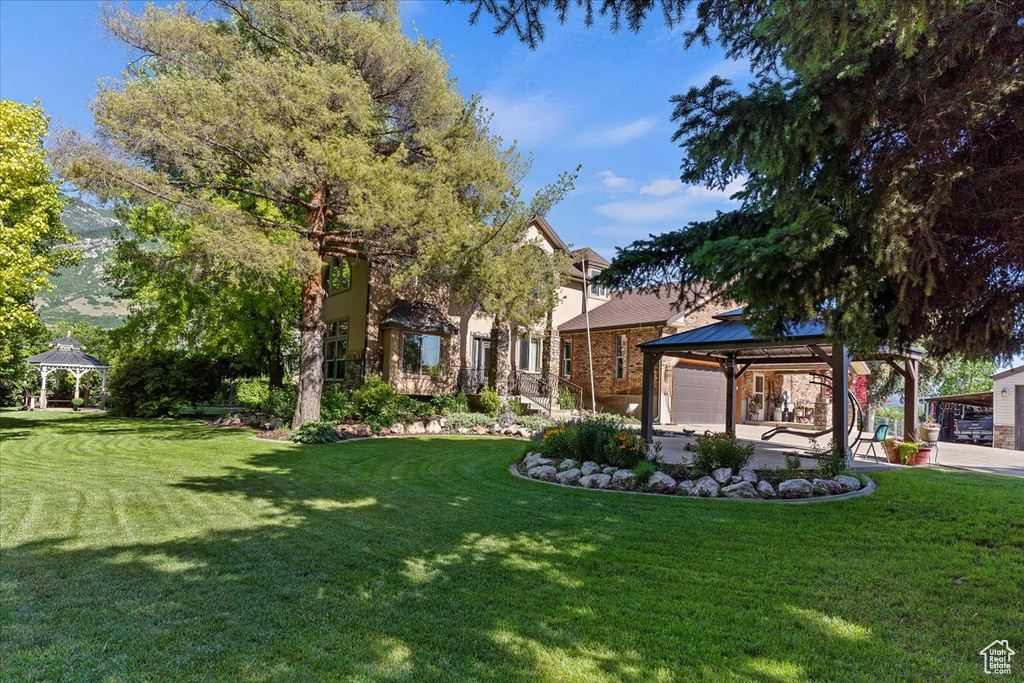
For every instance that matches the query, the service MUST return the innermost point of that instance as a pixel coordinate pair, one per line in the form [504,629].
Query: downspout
[590,346]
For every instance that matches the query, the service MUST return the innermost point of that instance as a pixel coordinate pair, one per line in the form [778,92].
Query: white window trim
[621,354]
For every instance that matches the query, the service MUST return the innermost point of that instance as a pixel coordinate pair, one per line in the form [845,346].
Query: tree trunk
[500,357]
[311,323]
[276,369]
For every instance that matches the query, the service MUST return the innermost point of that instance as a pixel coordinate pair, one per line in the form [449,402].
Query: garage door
[698,395]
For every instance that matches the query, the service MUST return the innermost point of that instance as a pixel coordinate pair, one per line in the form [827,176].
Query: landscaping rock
[568,464]
[590,467]
[722,475]
[685,488]
[826,487]
[610,470]
[542,472]
[624,478]
[480,429]
[532,460]
[795,488]
[596,481]
[415,428]
[748,474]
[433,427]
[765,489]
[848,483]
[569,477]
[398,428]
[743,489]
[660,481]
[463,430]
[705,487]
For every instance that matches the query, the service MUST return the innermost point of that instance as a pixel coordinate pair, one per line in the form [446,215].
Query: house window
[337,275]
[529,354]
[597,289]
[621,341]
[567,359]
[335,348]
[421,354]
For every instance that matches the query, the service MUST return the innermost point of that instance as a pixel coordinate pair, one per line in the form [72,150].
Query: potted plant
[930,432]
[77,403]
[777,415]
[913,453]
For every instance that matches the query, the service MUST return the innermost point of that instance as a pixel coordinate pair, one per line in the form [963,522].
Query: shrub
[450,404]
[557,442]
[515,407]
[601,438]
[468,420]
[161,382]
[490,401]
[831,461]
[627,449]
[315,432]
[336,404]
[280,402]
[712,451]
[907,451]
[565,399]
[644,469]
[252,393]
[77,402]
[792,466]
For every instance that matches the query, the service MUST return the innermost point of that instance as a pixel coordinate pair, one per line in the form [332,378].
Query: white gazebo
[68,354]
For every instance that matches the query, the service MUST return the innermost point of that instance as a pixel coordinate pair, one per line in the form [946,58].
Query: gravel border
[863,491]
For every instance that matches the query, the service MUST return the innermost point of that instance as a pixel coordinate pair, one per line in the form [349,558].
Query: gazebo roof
[67,352]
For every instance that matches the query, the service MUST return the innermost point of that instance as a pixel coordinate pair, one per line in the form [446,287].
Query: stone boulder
[433,427]
[596,481]
[532,460]
[685,488]
[826,487]
[609,470]
[765,489]
[480,429]
[542,472]
[705,487]
[723,475]
[744,489]
[415,428]
[568,464]
[569,477]
[795,488]
[660,481]
[398,428]
[590,467]
[748,474]
[624,478]
[847,482]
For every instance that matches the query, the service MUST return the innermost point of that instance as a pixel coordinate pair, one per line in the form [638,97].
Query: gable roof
[1007,373]
[632,308]
[419,316]
[590,256]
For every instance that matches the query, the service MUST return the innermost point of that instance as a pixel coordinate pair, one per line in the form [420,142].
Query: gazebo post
[78,380]
[910,377]
[103,389]
[651,361]
[44,371]
[730,394]
[841,400]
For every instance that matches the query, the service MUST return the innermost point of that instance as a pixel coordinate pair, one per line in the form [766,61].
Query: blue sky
[585,97]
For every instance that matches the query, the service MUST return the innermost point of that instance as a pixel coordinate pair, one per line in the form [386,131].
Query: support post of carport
[729,367]
[841,400]
[651,364]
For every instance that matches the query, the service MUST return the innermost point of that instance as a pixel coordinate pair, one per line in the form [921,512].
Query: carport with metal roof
[733,345]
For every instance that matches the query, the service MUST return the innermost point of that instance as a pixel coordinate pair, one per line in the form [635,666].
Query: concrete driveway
[772,453]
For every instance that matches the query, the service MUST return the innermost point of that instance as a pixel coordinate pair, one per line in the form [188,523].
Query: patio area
[773,453]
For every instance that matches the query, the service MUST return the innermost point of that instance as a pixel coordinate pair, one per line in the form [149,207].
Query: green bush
[377,404]
[315,432]
[252,392]
[644,469]
[565,399]
[602,438]
[450,404]
[907,451]
[831,461]
[281,402]
[627,449]
[336,404]
[490,401]
[457,421]
[77,402]
[712,451]
[162,382]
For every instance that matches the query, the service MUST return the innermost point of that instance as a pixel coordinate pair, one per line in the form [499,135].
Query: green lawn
[135,550]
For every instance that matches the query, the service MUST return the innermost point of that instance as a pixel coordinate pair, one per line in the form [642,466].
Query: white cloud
[689,203]
[611,136]
[660,187]
[613,182]
[530,119]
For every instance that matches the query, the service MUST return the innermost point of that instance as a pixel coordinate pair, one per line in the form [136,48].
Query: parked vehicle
[974,431]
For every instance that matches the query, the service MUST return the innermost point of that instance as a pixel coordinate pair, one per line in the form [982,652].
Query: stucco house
[1008,409]
[428,342]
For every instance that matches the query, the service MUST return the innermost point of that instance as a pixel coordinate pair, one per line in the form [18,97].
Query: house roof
[549,232]
[590,256]
[1007,373]
[419,316]
[633,308]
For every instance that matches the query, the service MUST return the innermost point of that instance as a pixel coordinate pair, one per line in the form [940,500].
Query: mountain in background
[81,292]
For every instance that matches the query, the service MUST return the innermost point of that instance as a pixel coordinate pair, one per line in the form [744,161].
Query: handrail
[533,387]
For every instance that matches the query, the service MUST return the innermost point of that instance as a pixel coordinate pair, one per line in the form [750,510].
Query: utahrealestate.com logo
[997,657]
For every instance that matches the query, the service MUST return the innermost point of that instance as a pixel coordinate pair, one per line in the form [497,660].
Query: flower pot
[922,457]
[929,433]
[777,415]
